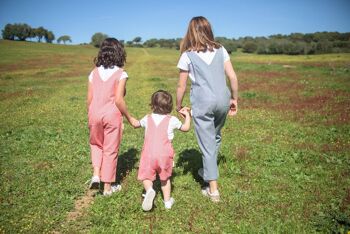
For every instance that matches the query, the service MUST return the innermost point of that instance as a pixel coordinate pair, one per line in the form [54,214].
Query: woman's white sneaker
[214,197]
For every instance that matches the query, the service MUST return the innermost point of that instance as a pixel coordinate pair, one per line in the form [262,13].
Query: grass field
[284,162]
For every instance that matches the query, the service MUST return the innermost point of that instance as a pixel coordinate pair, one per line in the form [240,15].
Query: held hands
[233,107]
[134,122]
[184,112]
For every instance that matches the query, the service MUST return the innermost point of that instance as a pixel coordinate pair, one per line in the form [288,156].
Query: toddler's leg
[147,203]
[147,184]
[166,189]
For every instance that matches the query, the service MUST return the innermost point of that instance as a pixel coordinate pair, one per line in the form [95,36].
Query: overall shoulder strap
[117,74]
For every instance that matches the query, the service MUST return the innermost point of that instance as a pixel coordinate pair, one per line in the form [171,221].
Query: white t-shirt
[186,65]
[174,123]
[106,73]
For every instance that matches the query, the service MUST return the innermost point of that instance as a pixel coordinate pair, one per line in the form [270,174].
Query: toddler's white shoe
[95,182]
[147,203]
[214,197]
[169,204]
[114,188]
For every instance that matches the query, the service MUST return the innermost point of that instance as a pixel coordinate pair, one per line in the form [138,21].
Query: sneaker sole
[214,199]
[95,185]
[148,201]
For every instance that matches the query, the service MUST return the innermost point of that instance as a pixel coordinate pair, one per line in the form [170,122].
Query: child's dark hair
[162,102]
[111,54]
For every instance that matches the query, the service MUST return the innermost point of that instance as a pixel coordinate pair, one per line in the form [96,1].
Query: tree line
[292,44]
[23,32]
[297,43]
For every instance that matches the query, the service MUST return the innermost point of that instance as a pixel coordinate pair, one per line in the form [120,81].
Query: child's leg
[96,142]
[110,154]
[97,170]
[166,189]
[107,186]
[147,184]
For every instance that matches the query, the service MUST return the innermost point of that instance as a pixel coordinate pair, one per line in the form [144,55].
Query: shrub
[249,47]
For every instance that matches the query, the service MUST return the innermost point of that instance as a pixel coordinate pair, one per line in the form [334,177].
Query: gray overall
[210,100]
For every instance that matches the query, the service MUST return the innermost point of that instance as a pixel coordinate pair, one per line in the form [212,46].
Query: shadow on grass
[126,163]
[191,160]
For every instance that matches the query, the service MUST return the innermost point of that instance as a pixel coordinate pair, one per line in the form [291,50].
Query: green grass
[284,161]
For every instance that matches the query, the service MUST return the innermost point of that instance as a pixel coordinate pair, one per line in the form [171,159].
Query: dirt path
[80,207]
[145,51]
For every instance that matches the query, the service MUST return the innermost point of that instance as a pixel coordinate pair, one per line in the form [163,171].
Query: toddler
[157,152]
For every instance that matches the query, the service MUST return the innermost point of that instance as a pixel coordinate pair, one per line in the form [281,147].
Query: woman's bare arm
[181,88]
[231,74]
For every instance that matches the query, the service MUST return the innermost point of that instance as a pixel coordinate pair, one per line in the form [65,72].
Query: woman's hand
[233,107]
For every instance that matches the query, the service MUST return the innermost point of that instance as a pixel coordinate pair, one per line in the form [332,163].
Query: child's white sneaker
[114,188]
[95,182]
[214,197]
[147,203]
[169,204]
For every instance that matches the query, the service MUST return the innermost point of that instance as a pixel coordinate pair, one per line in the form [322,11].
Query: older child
[105,102]
[206,62]
[157,152]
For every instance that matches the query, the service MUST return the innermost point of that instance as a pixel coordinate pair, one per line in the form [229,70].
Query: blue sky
[169,19]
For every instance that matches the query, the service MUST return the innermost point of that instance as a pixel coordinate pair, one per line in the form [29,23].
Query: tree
[296,37]
[137,40]
[39,33]
[64,38]
[153,42]
[22,31]
[229,44]
[49,36]
[8,32]
[97,39]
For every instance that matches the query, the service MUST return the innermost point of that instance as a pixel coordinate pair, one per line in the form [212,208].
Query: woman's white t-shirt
[105,73]
[174,123]
[186,65]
